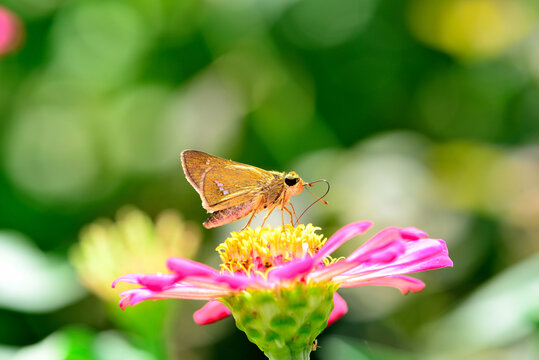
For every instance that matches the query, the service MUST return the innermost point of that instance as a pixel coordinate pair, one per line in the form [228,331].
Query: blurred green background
[419,112]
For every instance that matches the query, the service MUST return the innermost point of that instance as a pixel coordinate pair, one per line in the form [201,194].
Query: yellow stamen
[260,249]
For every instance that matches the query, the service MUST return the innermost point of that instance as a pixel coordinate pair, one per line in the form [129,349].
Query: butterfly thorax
[281,187]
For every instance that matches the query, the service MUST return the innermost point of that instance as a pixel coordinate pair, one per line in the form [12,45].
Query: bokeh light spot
[11,31]
[321,23]
[37,164]
[33,281]
[472,29]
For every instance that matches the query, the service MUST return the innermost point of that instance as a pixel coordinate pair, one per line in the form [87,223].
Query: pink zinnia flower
[11,32]
[291,267]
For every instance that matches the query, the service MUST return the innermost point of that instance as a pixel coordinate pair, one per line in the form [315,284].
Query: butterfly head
[294,184]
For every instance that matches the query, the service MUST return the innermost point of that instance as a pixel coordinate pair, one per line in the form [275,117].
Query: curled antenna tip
[317,198]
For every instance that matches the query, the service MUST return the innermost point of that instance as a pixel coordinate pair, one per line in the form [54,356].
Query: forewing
[196,163]
[233,184]
[223,183]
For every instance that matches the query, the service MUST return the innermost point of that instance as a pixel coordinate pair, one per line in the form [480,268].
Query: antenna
[317,198]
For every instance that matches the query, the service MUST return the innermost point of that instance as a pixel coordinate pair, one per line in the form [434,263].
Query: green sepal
[283,322]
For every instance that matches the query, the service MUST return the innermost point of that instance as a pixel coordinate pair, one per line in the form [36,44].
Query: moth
[231,191]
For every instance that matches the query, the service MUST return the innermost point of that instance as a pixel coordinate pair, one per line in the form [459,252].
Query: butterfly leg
[294,212]
[267,216]
[289,213]
[249,222]
[283,207]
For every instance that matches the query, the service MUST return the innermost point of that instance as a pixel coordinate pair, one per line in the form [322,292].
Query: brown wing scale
[232,185]
[196,163]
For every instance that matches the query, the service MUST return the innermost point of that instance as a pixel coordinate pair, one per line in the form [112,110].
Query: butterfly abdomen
[231,214]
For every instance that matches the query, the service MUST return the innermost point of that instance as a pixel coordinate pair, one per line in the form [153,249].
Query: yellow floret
[268,247]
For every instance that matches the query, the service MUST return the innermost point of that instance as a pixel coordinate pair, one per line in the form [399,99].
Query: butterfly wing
[224,183]
[196,163]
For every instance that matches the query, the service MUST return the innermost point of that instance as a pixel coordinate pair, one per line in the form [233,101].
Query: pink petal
[211,312]
[425,254]
[134,296]
[403,283]
[386,237]
[340,308]
[154,282]
[382,248]
[292,269]
[411,233]
[341,236]
[420,255]
[192,293]
[130,278]
[326,273]
[235,281]
[185,267]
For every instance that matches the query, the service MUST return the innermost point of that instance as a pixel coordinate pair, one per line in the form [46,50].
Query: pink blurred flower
[384,260]
[11,31]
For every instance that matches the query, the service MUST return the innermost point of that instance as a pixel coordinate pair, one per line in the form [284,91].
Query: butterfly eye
[290,181]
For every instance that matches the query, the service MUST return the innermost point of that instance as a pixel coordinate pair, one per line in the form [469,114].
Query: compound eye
[290,181]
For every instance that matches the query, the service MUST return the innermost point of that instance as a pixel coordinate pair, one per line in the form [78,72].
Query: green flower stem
[283,322]
[289,354]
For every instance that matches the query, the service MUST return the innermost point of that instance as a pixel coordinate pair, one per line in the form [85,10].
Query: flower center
[261,249]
